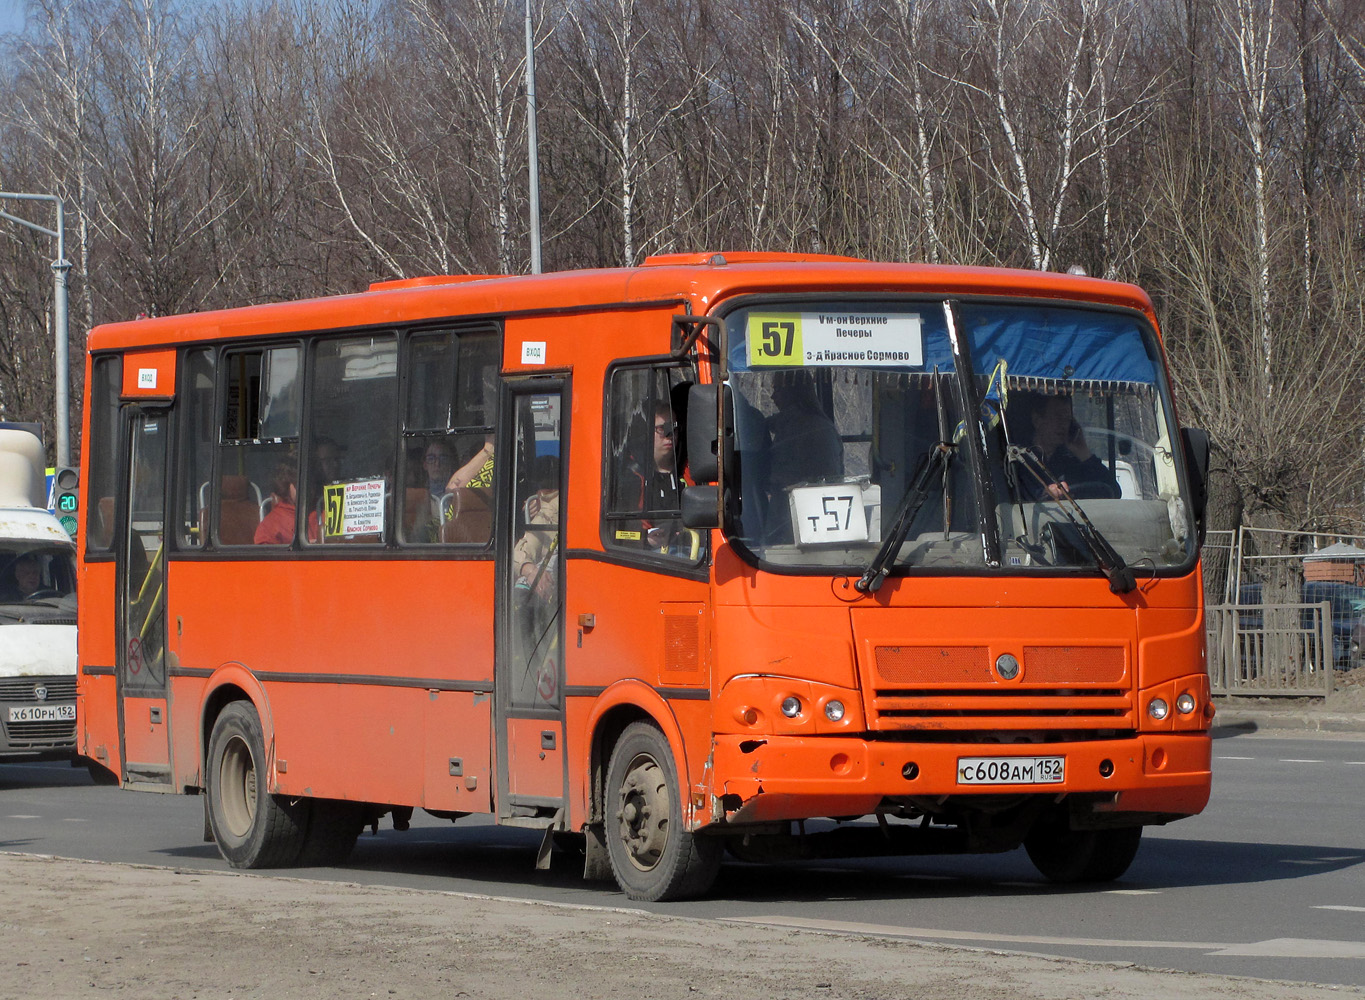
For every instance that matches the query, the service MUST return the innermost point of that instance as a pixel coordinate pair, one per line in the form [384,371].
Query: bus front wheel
[1065,855]
[253,828]
[652,855]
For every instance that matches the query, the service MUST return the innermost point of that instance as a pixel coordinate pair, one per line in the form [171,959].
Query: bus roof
[704,279]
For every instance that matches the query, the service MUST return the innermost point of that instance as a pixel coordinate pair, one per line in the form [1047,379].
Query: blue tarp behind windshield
[1040,342]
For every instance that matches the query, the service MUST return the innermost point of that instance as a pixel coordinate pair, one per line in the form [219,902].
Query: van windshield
[840,404]
[37,575]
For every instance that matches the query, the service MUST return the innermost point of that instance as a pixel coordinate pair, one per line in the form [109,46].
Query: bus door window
[198,434]
[105,379]
[647,463]
[350,471]
[448,435]
[534,661]
[260,434]
[144,577]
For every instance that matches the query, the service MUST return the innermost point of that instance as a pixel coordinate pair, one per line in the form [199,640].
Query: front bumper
[792,777]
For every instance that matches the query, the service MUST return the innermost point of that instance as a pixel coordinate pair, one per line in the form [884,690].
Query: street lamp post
[532,153]
[60,267]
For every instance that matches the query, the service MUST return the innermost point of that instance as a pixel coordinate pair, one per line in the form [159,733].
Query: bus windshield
[854,421]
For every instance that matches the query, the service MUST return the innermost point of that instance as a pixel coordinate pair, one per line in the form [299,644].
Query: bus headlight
[791,706]
[1185,703]
[834,710]
[1158,709]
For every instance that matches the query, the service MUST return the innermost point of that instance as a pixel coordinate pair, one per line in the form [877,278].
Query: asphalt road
[1268,882]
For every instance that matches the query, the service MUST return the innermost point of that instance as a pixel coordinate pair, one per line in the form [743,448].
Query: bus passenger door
[141,665]
[529,665]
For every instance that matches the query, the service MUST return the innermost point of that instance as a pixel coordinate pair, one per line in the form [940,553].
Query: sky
[11,15]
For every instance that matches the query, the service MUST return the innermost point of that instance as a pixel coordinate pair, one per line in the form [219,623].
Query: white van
[37,607]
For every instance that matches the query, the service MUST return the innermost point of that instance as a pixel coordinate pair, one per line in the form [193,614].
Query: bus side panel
[348,653]
[646,625]
[98,707]
[455,779]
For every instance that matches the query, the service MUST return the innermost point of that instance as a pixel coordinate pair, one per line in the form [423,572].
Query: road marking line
[1299,760]
[1296,948]
[1236,758]
[21,816]
[1132,892]
[1347,909]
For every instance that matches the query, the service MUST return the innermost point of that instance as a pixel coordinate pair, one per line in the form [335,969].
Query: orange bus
[785,555]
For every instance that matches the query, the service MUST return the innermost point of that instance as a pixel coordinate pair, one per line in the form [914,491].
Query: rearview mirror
[1197,447]
[710,433]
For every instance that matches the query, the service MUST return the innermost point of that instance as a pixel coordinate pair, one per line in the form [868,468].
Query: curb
[1239,722]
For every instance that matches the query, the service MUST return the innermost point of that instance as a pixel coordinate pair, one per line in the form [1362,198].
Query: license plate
[43,713]
[1010,770]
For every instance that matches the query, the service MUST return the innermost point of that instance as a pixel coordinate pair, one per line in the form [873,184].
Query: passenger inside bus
[804,443]
[277,527]
[533,555]
[1058,442]
[803,447]
[477,472]
[438,463]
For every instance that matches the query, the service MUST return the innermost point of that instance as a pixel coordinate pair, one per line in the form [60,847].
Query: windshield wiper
[938,458]
[1110,563]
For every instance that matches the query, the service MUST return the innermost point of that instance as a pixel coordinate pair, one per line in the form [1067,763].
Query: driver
[28,576]
[1060,443]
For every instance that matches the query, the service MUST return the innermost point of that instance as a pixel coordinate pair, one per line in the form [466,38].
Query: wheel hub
[237,787]
[643,812]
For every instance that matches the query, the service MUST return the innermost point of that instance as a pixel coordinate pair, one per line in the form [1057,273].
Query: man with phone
[1060,444]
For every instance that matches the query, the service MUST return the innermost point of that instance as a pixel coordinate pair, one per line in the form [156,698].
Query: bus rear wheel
[1068,856]
[253,829]
[652,855]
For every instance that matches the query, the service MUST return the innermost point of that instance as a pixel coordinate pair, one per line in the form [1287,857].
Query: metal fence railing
[1270,649]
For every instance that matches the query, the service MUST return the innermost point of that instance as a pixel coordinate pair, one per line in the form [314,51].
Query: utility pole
[532,154]
[60,267]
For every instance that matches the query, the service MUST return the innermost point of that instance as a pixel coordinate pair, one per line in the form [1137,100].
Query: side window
[349,474]
[258,449]
[645,463]
[448,433]
[105,379]
[198,434]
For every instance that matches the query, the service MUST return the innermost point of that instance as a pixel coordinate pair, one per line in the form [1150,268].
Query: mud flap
[596,863]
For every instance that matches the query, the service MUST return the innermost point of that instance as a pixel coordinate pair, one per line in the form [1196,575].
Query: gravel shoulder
[76,929]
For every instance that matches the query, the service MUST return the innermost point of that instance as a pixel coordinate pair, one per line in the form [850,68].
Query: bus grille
[1060,690]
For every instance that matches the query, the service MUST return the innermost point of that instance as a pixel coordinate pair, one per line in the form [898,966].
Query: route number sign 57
[829,514]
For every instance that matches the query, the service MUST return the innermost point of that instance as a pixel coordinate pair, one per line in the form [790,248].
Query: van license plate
[1010,770]
[43,713]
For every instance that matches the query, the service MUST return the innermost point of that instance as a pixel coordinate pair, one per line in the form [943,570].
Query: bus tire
[653,856]
[333,828]
[253,828]
[1069,856]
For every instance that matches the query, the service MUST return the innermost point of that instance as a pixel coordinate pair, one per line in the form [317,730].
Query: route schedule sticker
[354,508]
[835,338]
